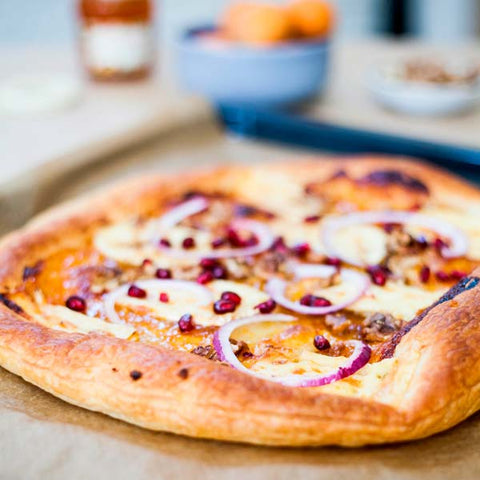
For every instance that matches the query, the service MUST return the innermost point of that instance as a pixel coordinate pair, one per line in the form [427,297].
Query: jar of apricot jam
[117,38]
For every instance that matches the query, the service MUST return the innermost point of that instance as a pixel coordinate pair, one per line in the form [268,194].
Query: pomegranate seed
[310,300]
[164,242]
[163,273]
[251,242]
[321,302]
[76,303]
[424,274]
[218,242]
[266,307]
[234,238]
[186,324]
[208,263]
[146,262]
[231,297]
[224,306]
[312,219]
[390,227]
[378,274]
[442,276]
[457,274]
[188,243]
[321,343]
[278,245]
[439,244]
[164,297]
[219,272]
[137,292]
[335,262]
[205,277]
[301,249]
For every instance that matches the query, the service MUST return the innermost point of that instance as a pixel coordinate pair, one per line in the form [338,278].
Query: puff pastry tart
[319,302]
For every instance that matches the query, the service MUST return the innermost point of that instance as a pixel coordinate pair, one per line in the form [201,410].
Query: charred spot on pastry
[384,178]
[317,187]
[32,271]
[10,304]
[193,193]
[463,285]
[244,210]
[189,194]
[136,375]
[183,373]
[114,369]
[341,173]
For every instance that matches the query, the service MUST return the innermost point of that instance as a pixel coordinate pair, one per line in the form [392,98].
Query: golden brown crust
[435,382]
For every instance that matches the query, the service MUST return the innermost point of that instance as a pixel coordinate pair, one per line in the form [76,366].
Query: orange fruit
[256,23]
[310,18]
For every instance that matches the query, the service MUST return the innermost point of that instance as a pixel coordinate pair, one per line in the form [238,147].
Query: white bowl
[420,98]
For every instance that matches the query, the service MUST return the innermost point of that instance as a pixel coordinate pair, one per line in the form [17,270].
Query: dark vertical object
[397,21]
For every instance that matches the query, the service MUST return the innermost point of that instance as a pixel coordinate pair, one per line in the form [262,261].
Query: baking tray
[296,130]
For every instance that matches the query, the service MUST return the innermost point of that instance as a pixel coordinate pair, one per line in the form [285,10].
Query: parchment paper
[44,438]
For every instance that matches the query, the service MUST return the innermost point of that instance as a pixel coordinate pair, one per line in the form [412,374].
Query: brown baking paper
[43,437]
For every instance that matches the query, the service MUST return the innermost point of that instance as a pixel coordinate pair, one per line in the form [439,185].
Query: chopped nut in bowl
[426,87]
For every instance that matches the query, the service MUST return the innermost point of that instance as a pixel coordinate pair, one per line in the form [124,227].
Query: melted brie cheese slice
[181,302]
[400,300]
[365,244]
[278,193]
[363,383]
[131,244]
[62,318]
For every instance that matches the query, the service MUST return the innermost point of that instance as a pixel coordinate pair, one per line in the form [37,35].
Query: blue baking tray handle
[293,129]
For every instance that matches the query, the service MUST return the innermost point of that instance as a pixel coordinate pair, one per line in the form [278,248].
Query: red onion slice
[199,204]
[202,294]
[276,288]
[182,211]
[261,231]
[359,358]
[221,342]
[312,270]
[458,240]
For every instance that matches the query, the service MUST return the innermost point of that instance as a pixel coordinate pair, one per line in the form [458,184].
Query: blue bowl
[273,76]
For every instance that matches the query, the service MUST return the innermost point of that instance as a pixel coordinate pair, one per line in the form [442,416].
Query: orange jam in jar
[117,38]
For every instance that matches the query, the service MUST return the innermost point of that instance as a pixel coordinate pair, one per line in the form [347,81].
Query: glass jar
[116,38]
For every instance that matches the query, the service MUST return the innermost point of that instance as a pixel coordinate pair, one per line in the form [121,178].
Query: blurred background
[53,21]
[290,77]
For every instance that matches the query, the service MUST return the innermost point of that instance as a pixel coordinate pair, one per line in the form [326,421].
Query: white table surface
[348,102]
[107,117]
